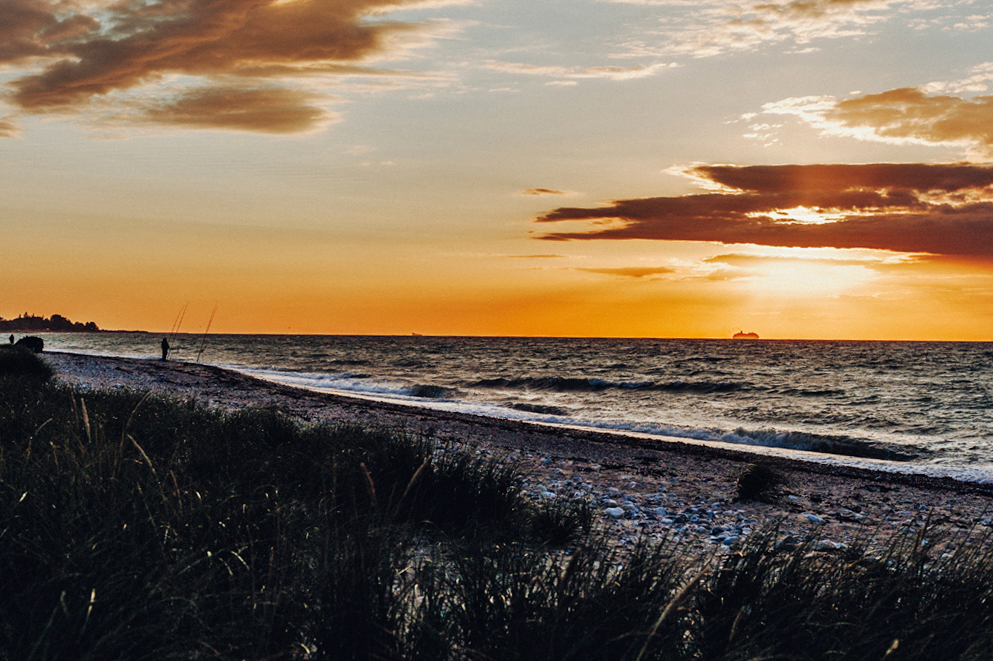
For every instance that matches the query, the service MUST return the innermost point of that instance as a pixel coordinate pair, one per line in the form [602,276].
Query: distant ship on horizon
[742,335]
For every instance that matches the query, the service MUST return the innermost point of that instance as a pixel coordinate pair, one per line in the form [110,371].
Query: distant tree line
[56,323]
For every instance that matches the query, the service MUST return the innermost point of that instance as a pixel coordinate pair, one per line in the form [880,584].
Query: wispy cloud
[904,116]
[542,191]
[608,72]
[630,271]
[262,110]
[243,63]
[706,28]
[542,256]
[9,128]
[910,208]
[749,260]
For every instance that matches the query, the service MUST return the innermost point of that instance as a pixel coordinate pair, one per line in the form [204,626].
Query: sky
[810,169]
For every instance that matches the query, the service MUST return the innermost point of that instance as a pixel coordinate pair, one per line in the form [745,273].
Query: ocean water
[912,403]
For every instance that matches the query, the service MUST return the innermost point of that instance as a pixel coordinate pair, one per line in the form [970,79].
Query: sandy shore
[639,486]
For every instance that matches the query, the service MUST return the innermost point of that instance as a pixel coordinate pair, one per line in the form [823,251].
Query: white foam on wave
[975,474]
[342,382]
[346,385]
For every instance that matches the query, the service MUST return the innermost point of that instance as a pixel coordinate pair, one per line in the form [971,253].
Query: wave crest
[827,444]
[579,384]
[428,391]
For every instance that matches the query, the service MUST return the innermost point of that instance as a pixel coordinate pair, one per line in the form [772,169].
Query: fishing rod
[204,340]
[178,323]
[179,320]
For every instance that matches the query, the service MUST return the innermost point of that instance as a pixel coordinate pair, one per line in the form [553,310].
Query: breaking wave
[543,409]
[576,384]
[827,444]
[428,391]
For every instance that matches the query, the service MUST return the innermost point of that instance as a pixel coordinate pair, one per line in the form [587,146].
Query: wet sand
[639,486]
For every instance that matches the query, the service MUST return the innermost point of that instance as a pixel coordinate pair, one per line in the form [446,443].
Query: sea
[911,406]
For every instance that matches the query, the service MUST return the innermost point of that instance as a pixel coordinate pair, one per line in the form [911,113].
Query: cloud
[910,208]
[909,114]
[630,271]
[9,128]
[979,80]
[747,260]
[542,256]
[707,28]
[261,110]
[608,72]
[900,116]
[37,28]
[70,54]
[542,191]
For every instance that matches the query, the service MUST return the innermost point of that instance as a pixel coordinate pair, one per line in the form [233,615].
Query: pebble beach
[638,487]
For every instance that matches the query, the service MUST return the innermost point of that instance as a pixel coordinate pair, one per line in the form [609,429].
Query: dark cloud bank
[245,55]
[916,208]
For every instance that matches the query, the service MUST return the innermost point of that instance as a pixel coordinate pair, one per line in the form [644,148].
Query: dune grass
[139,527]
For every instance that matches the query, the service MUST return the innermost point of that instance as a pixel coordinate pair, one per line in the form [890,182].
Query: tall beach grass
[134,526]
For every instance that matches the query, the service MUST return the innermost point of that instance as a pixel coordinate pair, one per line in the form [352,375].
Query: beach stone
[615,512]
[787,543]
[828,545]
[813,518]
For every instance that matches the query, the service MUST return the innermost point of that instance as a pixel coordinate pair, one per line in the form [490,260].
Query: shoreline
[638,484]
[802,460]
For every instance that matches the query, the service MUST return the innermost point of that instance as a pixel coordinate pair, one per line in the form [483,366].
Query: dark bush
[760,482]
[21,362]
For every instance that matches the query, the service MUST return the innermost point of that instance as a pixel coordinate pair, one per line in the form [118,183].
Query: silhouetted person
[165,348]
[11,339]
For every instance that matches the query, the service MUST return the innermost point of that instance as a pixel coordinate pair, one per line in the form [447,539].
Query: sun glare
[798,278]
[801,215]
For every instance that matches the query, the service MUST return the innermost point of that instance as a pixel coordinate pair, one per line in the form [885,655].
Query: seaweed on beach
[134,526]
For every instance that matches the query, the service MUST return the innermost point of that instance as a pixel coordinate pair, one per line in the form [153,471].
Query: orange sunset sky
[638,168]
